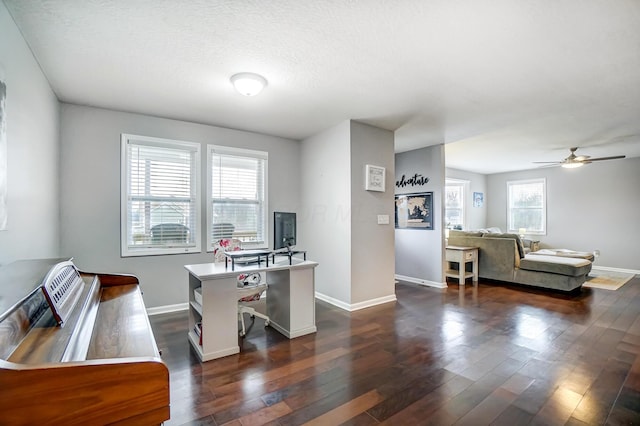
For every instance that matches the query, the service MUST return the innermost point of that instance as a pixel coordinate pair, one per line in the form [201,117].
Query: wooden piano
[77,348]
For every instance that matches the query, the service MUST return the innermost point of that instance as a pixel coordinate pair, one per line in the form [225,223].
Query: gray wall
[594,207]
[477,216]
[90,202]
[419,253]
[326,200]
[372,252]
[355,254]
[33,117]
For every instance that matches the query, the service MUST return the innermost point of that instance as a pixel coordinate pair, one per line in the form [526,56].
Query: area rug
[608,280]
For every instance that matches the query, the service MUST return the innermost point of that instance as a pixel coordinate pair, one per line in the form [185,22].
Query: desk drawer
[469,255]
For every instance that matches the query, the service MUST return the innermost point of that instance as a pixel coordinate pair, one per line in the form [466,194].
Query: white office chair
[220,247]
[249,292]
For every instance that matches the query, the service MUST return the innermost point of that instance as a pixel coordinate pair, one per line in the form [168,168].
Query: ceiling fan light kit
[573,165]
[573,161]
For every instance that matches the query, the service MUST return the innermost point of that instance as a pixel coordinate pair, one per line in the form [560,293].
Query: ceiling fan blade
[615,157]
[574,160]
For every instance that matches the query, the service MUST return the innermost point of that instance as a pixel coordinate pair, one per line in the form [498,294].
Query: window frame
[510,227]
[240,152]
[196,196]
[465,185]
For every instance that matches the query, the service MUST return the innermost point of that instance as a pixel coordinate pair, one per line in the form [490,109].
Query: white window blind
[237,196]
[527,206]
[160,205]
[455,206]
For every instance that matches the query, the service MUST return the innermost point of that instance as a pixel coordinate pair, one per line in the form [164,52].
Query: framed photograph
[374,178]
[478,199]
[414,211]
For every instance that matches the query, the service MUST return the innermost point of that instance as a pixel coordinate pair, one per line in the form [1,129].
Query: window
[455,194]
[160,204]
[237,196]
[526,201]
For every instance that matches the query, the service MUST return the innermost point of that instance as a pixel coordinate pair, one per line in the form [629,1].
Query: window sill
[159,252]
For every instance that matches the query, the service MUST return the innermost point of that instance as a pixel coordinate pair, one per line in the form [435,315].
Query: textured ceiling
[501,82]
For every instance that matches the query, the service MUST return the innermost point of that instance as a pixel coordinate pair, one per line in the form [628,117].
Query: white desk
[290,303]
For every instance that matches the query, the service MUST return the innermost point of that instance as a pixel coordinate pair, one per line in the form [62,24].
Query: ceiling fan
[573,160]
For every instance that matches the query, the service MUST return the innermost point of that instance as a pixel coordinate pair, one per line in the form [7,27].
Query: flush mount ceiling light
[248,83]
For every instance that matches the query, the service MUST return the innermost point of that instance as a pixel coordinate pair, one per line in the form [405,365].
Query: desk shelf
[195,341]
[196,306]
[244,254]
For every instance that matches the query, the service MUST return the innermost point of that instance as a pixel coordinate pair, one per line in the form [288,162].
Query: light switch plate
[383,219]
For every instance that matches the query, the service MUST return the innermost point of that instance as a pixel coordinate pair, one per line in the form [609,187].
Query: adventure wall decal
[416,180]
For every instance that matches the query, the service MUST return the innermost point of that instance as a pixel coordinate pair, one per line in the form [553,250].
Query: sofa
[502,257]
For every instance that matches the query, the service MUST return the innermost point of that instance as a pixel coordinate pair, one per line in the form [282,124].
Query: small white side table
[462,255]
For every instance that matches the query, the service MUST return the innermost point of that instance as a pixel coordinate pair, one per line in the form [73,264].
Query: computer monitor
[284,230]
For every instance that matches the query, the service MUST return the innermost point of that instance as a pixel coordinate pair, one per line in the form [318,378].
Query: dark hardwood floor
[474,355]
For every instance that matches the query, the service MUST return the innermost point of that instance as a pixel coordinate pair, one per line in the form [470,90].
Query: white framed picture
[374,178]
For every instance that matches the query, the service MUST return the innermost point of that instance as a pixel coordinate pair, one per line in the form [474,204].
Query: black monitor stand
[289,253]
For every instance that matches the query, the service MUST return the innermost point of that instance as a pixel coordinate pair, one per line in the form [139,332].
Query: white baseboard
[335,302]
[167,309]
[295,333]
[356,306]
[624,271]
[421,281]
